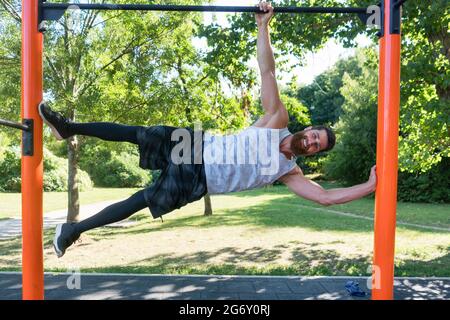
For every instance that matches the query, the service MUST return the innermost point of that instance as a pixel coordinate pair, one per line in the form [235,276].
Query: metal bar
[387,161]
[399,3]
[156,7]
[14,125]
[32,166]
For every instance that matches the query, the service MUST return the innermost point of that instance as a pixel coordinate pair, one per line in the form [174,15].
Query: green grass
[261,232]
[10,203]
[436,215]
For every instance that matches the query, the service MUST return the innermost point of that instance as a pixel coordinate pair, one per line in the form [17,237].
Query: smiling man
[205,163]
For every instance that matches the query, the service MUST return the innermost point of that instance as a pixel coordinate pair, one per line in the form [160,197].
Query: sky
[315,63]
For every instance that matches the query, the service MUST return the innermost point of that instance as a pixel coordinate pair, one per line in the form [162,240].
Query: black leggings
[123,209]
[106,131]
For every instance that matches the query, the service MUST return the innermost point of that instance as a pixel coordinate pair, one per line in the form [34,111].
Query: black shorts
[178,184]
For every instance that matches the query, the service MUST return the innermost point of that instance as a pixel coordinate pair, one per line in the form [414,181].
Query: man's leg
[105,131]
[68,233]
[63,128]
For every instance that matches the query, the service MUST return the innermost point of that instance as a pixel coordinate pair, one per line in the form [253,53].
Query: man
[261,154]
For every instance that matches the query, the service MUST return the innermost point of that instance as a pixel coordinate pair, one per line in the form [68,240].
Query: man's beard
[297,146]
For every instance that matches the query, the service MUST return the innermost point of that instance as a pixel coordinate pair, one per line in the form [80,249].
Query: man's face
[309,142]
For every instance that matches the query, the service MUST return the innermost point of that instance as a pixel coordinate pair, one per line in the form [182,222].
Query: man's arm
[310,190]
[275,115]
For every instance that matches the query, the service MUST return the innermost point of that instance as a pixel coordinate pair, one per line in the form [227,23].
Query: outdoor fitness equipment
[35,12]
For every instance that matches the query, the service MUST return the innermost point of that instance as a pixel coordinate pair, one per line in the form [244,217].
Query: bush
[430,186]
[55,172]
[354,154]
[113,169]
[355,150]
[4,143]
[10,168]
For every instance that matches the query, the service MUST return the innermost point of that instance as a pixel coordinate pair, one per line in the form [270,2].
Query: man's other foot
[65,236]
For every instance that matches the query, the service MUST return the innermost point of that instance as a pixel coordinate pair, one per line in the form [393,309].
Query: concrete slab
[167,287]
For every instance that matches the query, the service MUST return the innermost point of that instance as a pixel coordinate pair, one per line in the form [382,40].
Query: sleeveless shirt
[247,160]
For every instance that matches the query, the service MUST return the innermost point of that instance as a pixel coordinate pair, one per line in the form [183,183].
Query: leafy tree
[424,139]
[356,129]
[323,97]
[10,67]
[123,67]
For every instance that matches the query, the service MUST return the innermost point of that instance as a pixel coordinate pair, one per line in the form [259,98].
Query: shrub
[430,186]
[355,149]
[354,154]
[55,172]
[111,169]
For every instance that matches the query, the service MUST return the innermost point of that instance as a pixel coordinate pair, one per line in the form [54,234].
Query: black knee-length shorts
[178,184]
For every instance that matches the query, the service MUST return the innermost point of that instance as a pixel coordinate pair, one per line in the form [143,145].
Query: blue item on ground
[354,289]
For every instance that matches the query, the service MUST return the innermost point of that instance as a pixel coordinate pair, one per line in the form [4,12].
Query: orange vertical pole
[387,160]
[32,166]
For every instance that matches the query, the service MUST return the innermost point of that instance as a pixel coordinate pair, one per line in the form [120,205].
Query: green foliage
[4,143]
[323,97]
[10,179]
[425,98]
[55,172]
[143,69]
[110,168]
[425,73]
[355,148]
[123,172]
[430,186]
[298,113]
[10,72]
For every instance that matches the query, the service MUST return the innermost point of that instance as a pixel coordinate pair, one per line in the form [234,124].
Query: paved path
[13,227]
[163,287]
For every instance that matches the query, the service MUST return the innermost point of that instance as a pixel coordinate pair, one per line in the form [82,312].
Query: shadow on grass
[440,265]
[305,259]
[11,251]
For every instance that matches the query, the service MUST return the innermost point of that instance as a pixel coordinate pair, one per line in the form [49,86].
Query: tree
[10,67]
[125,67]
[323,97]
[424,139]
[357,126]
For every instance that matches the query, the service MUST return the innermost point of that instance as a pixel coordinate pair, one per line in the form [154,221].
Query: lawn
[267,231]
[11,206]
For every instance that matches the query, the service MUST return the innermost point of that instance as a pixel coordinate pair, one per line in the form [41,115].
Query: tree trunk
[73,192]
[208,207]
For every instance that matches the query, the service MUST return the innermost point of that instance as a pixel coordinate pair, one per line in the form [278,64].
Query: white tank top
[246,160]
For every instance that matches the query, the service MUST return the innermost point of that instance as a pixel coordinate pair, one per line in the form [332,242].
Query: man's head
[312,140]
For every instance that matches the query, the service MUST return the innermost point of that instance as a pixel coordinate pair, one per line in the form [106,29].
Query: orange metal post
[387,162]
[32,166]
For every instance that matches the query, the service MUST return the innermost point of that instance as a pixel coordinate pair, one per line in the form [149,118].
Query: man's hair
[331,137]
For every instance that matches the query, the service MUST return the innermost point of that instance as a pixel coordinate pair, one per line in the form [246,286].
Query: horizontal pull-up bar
[158,7]
[54,11]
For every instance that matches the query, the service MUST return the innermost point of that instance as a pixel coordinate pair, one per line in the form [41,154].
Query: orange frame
[387,158]
[32,166]
[387,161]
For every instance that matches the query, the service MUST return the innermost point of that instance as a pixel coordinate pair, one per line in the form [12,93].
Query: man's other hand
[263,19]
[373,177]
